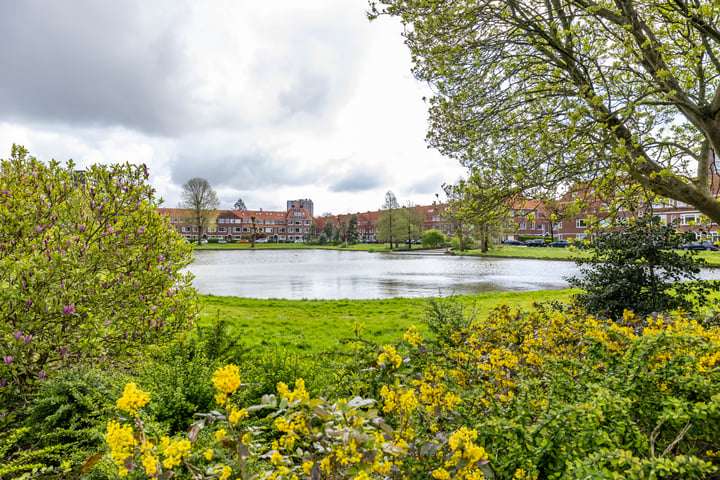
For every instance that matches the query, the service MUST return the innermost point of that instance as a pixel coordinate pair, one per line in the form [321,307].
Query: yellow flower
[132,399]
[227,379]
[226,472]
[237,415]
[441,474]
[121,440]
[150,464]
[220,434]
[174,453]
[389,357]
[208,454]
[413,337]
[298,394]
[276,458]
[307,467]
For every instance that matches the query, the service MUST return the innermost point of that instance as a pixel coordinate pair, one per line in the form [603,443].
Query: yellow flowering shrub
[132,399]
[517,395]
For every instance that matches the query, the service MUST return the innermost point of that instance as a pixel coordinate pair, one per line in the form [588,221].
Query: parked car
[535,242]
[704,245]
[559,244]
[513,242]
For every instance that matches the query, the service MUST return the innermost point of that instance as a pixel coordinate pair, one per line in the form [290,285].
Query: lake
[335,274]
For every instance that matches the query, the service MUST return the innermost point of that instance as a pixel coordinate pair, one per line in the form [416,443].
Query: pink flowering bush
[89,271]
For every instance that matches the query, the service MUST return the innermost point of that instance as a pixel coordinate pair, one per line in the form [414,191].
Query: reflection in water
[333,274]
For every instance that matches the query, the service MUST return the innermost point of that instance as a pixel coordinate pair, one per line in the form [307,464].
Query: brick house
[293,225]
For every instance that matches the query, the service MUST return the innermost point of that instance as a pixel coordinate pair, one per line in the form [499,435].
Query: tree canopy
[388,223]
[554,93]
[240,205]
[199,197]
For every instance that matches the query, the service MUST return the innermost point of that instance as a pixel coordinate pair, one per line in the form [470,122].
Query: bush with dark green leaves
[638,267]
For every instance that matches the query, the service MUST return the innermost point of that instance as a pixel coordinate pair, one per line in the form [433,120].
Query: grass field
[367,247]
[315,326]
[547,253]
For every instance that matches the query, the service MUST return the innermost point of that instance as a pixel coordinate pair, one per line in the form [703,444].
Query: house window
[582,223]
[689,219]
[185,229]
[521,226]
[238,229]
[221,229]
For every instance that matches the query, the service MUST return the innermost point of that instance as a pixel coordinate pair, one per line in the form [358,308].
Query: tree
[564,91]
[479,205]
[199,197]
[327,229]
[240,205]
[410,223]
[387,223]
[639,268]
[347,230]
[90,271]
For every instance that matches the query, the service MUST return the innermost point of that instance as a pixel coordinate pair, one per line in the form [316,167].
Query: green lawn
[315,326]
[368,247]
[547,253]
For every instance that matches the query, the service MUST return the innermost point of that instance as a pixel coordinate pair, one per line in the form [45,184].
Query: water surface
[335,274]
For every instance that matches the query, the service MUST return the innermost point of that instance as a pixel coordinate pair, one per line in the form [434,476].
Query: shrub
[89,270]
[639,269]
[63,426]
[433,238]
[524,395]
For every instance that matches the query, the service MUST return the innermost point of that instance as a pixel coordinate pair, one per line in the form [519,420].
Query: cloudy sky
[269,101]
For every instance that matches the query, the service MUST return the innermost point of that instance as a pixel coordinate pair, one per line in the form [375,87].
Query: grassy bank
[547,253]
[367,247]
[314,326]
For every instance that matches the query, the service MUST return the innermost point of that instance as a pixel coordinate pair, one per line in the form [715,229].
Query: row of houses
[533,218]
[293,225]
[526,218]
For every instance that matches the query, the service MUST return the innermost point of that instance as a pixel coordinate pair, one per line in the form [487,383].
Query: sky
[268,101]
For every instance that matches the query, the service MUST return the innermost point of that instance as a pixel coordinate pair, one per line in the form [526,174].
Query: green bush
[433,238]
[639,268]
[546,394]
[63,426]
[89,270]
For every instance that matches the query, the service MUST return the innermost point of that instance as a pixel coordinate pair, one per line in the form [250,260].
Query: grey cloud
[309,94]
[90,62]
[429,185]
[244,171]
[356,181]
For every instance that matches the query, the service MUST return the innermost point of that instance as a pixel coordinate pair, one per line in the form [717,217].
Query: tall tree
[240,205]
[479,205]
[199,197]
[387,223]
[557,92]
[347,229]
[410,223]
